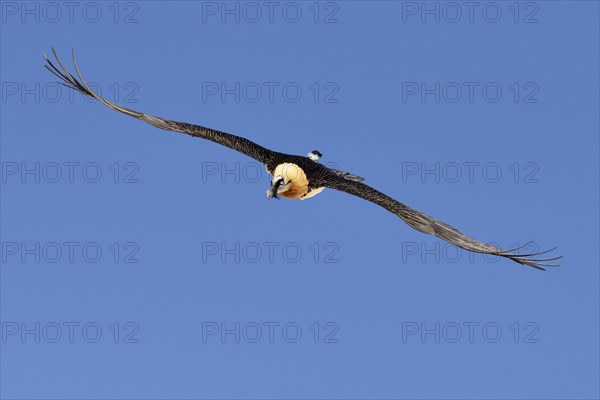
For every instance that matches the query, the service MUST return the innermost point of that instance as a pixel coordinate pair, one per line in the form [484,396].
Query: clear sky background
[143,264]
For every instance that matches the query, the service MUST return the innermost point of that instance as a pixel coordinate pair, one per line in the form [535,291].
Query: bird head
[278,186]
[289,181]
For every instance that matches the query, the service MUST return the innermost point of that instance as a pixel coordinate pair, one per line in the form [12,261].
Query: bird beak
[272,192]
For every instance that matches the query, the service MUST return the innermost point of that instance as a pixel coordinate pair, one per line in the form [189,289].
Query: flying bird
[302,177]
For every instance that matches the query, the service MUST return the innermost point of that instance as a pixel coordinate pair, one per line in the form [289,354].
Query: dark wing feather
[429,225]
[234,142]
[348,175]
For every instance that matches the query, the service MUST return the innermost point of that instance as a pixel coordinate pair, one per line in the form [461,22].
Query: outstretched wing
[234,142]
[432,226]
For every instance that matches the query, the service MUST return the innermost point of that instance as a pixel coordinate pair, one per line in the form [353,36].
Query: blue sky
[144,264]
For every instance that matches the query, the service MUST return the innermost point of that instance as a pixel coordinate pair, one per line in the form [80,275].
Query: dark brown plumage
[318,175]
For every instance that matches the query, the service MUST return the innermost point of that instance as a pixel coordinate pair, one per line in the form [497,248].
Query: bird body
[297,181]
[302,177]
